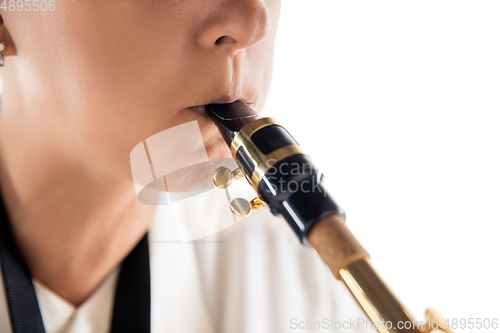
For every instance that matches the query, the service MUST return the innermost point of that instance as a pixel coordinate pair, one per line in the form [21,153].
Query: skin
[84,84]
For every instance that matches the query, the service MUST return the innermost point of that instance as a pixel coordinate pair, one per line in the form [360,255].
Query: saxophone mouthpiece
[230,118]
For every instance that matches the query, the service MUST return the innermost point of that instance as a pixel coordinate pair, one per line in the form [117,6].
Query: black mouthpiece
[230,118]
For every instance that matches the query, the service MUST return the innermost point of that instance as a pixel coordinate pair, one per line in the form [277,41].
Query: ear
[10,47]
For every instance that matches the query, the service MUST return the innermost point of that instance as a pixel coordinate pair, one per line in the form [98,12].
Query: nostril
[233,27]
[224,39]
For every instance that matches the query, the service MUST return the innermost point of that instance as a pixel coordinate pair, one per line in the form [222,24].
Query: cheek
[97,69]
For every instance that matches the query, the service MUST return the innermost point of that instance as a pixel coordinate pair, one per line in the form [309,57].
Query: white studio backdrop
[398,104]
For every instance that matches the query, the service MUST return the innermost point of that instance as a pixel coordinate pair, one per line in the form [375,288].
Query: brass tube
[349,262]
[378,301]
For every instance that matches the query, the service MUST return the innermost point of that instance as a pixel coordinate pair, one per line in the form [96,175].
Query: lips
[223,99]
[229,98]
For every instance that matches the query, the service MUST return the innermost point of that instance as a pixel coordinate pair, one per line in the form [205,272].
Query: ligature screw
[242,208]
[223,177]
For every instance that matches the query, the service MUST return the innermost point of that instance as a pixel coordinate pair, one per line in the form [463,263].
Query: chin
[217,149]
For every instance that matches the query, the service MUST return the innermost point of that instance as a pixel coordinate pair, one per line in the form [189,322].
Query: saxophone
[287,182]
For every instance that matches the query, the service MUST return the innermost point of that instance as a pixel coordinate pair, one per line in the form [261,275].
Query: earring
[2,52]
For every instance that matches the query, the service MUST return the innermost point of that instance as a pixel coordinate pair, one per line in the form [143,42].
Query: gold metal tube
[378,301]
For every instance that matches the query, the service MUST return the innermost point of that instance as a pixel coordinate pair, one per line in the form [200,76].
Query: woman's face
[109,74]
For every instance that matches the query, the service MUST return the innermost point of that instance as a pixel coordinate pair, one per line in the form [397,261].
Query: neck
[73,223]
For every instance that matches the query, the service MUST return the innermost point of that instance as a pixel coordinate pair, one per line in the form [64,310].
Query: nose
[234,25]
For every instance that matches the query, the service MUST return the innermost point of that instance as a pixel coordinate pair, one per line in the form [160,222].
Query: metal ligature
[288,183]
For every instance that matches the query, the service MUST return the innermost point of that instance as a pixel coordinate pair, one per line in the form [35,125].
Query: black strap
[132,309]
[132,306]
[23,305]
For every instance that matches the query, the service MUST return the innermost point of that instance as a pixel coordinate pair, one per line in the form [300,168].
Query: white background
[398,104]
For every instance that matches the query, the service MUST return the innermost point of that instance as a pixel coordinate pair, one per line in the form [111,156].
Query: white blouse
[253,276]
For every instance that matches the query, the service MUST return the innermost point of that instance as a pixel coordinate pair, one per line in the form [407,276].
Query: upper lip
[223,99]
[227,99]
